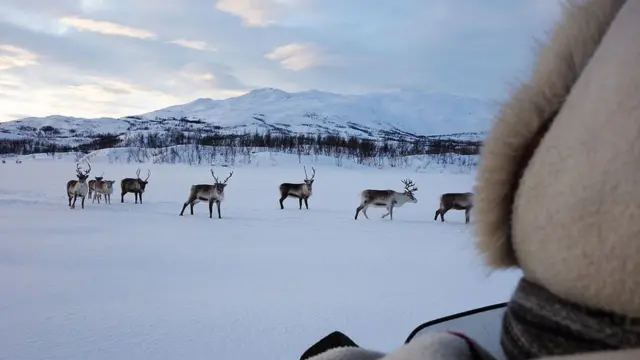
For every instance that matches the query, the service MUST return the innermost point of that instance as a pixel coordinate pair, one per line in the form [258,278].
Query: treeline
[362,150]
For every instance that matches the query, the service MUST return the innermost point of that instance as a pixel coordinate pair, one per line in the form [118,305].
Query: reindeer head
[99,178]
[308,181]
[109,184]
[409,189]
[82,176]
[143,183]
[220,185]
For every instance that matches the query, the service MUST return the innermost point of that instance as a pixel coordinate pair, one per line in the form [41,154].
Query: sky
[94,58]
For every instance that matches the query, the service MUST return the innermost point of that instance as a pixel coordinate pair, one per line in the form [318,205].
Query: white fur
[212,193]
[304,191]
[81,189]
[393,200]
[432,346]
[104,188]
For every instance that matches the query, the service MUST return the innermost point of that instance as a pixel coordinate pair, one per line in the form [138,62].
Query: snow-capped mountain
[391,115]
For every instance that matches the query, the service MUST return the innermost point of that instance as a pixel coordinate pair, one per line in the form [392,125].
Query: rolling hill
[404,114]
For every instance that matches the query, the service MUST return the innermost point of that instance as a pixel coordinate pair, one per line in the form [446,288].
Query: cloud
[106,28]
[193,44]
[87,97]
[257,12]
[121,57]
[13,56]
[297,56]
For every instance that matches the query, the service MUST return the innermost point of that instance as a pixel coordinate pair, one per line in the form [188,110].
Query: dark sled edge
[452,317]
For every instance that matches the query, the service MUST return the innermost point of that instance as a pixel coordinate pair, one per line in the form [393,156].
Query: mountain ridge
[394,115]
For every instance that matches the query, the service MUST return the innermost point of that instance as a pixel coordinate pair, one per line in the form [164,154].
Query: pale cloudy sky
[93,58]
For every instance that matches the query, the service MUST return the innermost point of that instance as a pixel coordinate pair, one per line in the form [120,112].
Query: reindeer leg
[73,205]
[70,197]
[82,203]
[218,206]
[190,201]
[466,215]
[140,195]
[364,211]
[306,203]
[358,209]
[387,214]
[442,212]
[122,196]
[437,213]
[300,201]
[391,212]
[211,208]
[184,206]
[282,198]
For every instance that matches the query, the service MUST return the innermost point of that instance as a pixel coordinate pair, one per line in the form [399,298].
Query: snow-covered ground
[127,281]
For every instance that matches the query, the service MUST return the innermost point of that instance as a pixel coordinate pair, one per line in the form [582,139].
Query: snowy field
[127,281]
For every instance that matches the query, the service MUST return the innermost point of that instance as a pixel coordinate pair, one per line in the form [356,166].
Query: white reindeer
[104,187]
[78,188]
[388,199]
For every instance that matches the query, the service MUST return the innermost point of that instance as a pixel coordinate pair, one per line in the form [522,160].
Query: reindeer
[389,199]
[456,201]
[92,184]
[301,191]
[78,188]
[206,192]
[135,186]
[103,188]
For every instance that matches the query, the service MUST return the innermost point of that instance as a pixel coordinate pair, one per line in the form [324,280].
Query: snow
[412,111]
[397,114]
[127,281]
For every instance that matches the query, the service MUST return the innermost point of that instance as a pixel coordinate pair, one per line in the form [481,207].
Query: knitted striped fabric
[537,323]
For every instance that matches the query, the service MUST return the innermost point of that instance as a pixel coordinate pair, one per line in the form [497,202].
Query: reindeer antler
[79,170]
[138,173]
[306,177]
[409,185]
[228,177]
[214,177]
[148,174]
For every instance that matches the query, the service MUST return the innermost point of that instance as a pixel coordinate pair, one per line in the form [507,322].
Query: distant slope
[394,115]
[401,113]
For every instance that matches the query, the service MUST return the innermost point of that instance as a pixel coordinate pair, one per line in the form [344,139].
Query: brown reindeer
[135,186]
[390,199]
[209,193]
[455,201]
[92,184]
[103,187]
[78,188]
[301,191]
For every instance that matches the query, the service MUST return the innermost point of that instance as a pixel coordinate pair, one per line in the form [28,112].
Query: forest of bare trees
[190,147]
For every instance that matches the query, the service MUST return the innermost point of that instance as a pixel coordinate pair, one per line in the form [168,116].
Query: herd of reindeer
[214,194]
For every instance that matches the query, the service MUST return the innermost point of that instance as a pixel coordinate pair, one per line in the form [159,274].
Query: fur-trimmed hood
[557,196]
